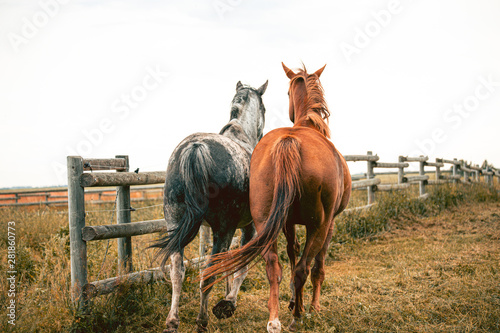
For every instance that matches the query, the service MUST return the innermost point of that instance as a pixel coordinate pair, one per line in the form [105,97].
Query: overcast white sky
[105,78]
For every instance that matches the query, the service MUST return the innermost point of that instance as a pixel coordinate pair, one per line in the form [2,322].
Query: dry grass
[404,266]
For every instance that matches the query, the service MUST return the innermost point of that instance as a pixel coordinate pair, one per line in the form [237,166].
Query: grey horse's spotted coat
[207,182]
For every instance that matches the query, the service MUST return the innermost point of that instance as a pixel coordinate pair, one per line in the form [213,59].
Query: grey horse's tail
[196,165]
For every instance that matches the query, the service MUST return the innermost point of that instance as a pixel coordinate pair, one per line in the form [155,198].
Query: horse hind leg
[226,307]
[314,243]
[318,271]
[177,273]
[222,241]
[274,275]
[293,250]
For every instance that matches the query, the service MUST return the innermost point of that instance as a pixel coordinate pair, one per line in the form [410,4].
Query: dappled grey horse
[207,182]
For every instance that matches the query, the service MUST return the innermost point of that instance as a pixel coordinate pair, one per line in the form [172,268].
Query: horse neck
[305,117]
[300,112]
[248,121]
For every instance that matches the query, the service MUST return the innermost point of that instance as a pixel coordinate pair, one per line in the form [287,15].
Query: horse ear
[262,88]
[319,71]
[239,86]
[288,71]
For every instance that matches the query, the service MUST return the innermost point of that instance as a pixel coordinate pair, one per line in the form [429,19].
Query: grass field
[405,265]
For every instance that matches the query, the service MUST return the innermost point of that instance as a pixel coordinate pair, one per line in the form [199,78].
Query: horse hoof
[170,330]
[201,329]
[291,305]
[293,326]
[314,308]
[171,326]
[274,326]
[224,309]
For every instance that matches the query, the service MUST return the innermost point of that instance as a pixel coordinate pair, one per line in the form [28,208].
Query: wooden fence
[460,171]
[79,179]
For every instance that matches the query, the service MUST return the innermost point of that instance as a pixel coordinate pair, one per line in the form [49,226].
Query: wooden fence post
[401,170]
[454,171]
[466,174]
[438,170]
[421,184]
[370,175]
[78,247]
[123,216]
[490,177]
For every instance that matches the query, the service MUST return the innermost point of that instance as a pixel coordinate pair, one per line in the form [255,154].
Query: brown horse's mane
[314,96]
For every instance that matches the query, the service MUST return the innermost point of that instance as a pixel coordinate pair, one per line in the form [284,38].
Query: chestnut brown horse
[297,176]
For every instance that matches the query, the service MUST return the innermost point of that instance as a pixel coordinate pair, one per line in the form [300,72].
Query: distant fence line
[80,234]
[461,171]
[16,198]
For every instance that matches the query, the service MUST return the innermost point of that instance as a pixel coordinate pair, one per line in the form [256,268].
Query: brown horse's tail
[287,161]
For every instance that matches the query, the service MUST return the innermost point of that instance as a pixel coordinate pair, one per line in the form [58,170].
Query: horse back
[325,181]
[227,181]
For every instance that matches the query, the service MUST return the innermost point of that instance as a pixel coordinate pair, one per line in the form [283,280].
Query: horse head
[307,105]
[247,110]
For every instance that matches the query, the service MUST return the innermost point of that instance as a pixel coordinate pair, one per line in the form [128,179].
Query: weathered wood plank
[356,158]
[421,186]
[78,247]
[94,164]
[432,164]
[365,183]
[121,178]
[123,217]
[466,169]
[416,159]
[97,232]
[370,191]
[412,179]
[439,182]
[401,171]
[454,162]
[391,165]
